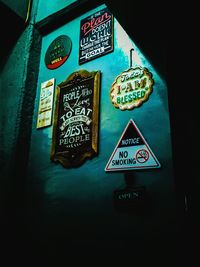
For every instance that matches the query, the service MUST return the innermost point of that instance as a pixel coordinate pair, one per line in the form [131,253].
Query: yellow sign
[131,88]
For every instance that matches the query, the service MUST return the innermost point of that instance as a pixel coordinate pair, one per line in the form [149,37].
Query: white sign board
[46,103]
[132,152]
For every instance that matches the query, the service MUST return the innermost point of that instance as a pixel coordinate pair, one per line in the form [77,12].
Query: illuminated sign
[75,133]
[131,88]
[58,52]
[132,152]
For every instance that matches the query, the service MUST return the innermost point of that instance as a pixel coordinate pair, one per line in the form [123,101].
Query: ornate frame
[71,156]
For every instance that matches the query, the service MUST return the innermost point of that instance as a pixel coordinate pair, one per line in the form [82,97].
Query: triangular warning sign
[132,152]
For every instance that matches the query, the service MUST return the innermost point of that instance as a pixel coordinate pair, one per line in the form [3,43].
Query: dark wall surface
[171,45]
[12,26]
[74,207]
[47,228]
[20,7]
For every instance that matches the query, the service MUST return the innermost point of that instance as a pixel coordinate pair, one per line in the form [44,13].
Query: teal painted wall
[76,204]
[18,72]
[11,94]
[47,8]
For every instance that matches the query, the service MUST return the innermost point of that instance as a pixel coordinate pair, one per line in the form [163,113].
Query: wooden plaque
[76,119]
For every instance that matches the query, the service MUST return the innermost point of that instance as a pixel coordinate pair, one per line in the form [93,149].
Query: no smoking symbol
[142,156]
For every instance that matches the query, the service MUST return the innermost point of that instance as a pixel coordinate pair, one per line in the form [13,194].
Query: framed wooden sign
[76,119]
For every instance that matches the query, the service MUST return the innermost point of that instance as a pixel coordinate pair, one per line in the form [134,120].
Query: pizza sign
[131,88]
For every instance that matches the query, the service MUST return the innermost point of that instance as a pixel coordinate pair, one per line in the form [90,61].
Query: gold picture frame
[76,119]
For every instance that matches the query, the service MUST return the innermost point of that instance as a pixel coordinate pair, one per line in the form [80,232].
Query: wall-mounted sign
[131,199]
[45,103]
[58,52]
[131,88]
[96,36]
[76,120]
[132,152]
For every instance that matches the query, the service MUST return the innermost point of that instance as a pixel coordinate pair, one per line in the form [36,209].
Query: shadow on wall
[11,27]
[146,23]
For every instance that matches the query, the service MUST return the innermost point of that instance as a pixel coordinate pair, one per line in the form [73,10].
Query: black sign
[96,36]
[130,199]
[76,119]
[58,52]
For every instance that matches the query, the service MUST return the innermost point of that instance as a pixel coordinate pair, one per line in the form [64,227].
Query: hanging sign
[131,88]
[132,152]
[75,132]
[45,104]
[58,52]
[131,199]
[96,36]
